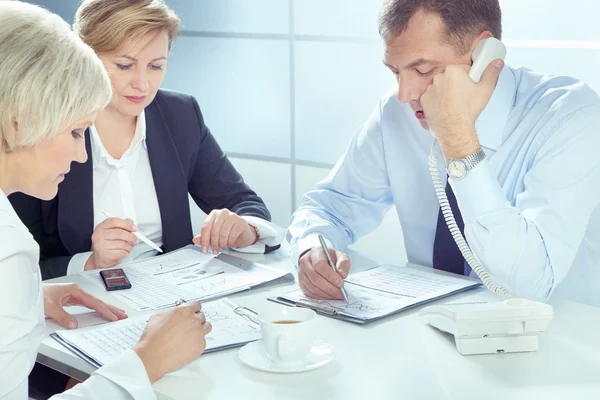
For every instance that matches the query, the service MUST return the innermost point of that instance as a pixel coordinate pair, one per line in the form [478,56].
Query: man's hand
[59,295]
[316,277]
[452,104]
[223,229]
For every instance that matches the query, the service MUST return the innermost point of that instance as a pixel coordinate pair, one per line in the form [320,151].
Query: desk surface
[399,357]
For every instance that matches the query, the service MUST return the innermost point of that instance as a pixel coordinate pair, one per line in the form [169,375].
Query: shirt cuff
[270,235]
[478,193]
[307,243]
[129,373]
[77,263]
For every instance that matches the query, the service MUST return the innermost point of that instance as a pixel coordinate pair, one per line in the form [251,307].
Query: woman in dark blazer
[146,151]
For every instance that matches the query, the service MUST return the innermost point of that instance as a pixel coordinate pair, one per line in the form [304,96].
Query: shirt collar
[99,152]
[9,215]
[492,121]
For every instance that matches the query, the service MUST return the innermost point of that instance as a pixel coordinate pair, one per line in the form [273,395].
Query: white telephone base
[488,328]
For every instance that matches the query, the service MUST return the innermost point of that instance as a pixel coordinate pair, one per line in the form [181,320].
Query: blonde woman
[147,150]
[51,88]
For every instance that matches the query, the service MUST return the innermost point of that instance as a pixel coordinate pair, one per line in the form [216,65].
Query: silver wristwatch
[458,168]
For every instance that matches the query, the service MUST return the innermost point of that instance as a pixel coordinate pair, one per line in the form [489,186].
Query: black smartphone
[115,279]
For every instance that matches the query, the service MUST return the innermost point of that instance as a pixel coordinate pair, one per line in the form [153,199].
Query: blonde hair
[106,24]
[49,78]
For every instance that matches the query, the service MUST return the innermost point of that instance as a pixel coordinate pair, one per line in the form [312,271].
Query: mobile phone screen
[115,279]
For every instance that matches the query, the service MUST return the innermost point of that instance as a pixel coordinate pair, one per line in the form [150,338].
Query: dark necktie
[446,255]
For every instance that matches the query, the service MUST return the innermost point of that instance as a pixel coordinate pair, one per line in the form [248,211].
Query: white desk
[399,357]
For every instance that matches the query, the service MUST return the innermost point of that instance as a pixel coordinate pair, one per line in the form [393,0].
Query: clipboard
[321,310]
[327,312]
[87,357]
[229,316]
[383,291]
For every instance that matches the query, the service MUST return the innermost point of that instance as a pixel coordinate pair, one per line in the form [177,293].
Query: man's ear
[478,38]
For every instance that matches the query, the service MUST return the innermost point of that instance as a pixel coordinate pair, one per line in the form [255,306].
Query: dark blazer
[184,158]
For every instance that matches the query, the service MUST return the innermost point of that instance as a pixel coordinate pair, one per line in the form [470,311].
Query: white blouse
[22,325]
[125,189]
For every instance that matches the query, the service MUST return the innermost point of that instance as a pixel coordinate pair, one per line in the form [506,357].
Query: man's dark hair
[464,19]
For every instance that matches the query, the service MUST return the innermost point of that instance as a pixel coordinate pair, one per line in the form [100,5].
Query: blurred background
[283,84]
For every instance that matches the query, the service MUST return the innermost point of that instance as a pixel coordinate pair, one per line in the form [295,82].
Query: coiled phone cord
[471,259]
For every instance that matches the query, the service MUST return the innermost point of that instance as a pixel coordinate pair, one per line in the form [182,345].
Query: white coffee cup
[287,334]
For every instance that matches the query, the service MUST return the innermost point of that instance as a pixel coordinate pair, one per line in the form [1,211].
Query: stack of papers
[382,291]
[101,344]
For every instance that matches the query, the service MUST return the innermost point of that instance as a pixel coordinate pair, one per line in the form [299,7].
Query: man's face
[417,55]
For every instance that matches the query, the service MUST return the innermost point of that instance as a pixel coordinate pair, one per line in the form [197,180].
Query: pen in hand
[332,264]
[138,235]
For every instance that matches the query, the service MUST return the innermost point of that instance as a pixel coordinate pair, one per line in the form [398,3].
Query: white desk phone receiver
[512,325]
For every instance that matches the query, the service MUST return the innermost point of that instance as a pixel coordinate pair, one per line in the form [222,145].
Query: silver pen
[332,264]
[138,235]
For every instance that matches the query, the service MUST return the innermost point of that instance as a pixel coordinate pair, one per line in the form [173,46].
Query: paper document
[382,291]
[186,274]
[100,345]
[412,283]
[84,316]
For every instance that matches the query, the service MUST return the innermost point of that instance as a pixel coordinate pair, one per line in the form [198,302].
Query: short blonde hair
[105,25]
[49,78]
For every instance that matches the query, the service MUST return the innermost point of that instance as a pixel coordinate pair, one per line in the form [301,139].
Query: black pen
[330,261]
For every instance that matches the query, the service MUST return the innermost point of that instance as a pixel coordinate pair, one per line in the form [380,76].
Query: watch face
[457,169]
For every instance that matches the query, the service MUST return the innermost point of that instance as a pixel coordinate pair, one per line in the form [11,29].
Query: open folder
[381,291]
[100,344]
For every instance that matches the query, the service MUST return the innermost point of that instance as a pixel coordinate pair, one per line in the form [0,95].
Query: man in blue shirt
[528,200]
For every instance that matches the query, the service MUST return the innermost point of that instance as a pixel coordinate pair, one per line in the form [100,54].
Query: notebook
[100,344]
[381,291]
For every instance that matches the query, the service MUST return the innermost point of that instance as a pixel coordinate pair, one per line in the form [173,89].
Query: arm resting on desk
[125,378]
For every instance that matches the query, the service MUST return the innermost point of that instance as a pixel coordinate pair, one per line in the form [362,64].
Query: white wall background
[283,84]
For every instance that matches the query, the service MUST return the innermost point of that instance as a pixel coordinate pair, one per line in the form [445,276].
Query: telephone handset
[484,328]
[486,51]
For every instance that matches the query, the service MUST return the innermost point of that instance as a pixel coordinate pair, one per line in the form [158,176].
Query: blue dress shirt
[531,208]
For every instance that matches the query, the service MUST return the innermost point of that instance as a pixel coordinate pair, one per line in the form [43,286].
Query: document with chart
[382,291]
[187,274]
[101,344]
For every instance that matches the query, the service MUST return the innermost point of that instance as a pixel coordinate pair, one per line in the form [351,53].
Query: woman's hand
[59,295]
[172,340]
[112,240]
[223,229]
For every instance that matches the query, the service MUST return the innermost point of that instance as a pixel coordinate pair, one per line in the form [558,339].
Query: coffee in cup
[287,334]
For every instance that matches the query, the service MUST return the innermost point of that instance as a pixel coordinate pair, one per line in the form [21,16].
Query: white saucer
[253,355]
